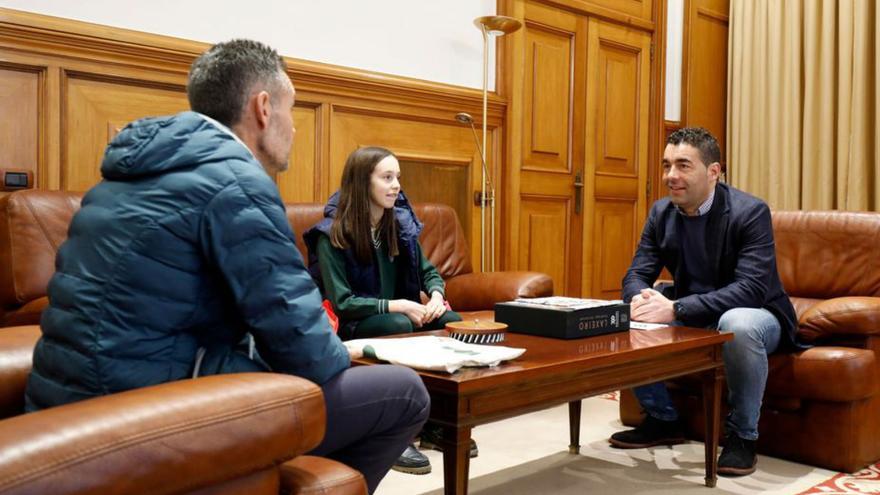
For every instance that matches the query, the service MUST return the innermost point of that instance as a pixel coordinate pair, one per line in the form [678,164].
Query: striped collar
[704,208]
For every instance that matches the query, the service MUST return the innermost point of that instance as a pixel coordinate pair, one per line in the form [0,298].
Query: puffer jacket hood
[158,145]
[407,220]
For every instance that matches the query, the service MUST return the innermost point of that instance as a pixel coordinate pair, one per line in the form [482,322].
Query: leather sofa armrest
[29,314]
[805,374]
[16,351]
[480,291]
[170,438]
[841,316]
[310,475]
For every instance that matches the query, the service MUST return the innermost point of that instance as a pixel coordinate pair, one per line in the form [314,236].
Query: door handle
[578,192]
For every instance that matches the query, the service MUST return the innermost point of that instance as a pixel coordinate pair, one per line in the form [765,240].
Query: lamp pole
[495,25]
[483,188]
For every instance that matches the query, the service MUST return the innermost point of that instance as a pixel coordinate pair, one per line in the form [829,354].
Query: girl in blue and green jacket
[366,257]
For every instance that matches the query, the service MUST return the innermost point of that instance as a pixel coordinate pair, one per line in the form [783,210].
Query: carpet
[529,455]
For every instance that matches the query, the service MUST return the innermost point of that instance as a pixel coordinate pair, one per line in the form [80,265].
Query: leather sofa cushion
[836,374]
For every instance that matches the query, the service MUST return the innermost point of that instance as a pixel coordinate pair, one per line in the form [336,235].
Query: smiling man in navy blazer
[717,242]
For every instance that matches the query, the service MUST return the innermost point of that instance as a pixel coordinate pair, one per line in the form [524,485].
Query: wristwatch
[678,309]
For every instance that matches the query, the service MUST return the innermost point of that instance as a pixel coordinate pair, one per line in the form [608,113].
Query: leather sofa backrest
[442,238]
[826,254]
[302,216]
[33,224]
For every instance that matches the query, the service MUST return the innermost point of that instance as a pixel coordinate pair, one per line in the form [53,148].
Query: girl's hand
[413,310]
[435,307]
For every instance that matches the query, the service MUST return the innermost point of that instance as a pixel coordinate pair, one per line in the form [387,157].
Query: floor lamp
[490,25]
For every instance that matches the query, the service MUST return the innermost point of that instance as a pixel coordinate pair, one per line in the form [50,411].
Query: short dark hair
[221,79]
[699,138]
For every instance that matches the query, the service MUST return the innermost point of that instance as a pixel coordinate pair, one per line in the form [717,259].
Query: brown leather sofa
[821,405]
[240,433]
[34,223]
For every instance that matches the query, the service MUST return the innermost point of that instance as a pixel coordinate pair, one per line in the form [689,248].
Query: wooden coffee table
[554,371]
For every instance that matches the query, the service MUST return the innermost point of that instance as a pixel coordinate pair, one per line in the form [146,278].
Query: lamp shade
[497,25]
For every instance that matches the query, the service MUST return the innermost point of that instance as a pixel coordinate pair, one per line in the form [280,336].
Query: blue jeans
[756,335]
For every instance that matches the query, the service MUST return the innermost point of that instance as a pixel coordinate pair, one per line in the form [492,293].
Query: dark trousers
[373,413]
[394,324]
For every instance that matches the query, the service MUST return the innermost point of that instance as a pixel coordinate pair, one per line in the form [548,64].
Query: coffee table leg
[456,459]
[574,426]
[712,407]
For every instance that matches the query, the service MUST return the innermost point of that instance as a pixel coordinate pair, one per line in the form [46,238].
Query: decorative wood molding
[718,16]
[597,11]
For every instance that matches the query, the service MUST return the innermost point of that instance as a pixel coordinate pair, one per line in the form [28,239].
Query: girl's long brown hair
[351,226]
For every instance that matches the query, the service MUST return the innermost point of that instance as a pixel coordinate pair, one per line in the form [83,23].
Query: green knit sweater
[349,306]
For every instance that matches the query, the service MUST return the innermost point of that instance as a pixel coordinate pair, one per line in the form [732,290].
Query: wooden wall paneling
[49,167]
[95,109]
[300,183]
[20,109]
[98,78]
[704,92]
[551,158]
[617,137]
[29,45]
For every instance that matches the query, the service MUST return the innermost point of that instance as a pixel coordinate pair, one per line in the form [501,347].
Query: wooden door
[547,233]
[617,109]
[705,91]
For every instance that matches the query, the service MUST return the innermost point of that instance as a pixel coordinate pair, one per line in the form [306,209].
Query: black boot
[430,439]
[738,458]
[651,432]
[412,461]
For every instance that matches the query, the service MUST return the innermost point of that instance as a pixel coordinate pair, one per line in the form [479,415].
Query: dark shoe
[412,461]
[430,439]
[738,456]
[651,432]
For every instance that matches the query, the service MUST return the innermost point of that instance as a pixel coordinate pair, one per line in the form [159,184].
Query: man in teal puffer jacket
[184,249]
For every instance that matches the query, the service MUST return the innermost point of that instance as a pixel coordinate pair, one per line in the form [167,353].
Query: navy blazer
[741,254]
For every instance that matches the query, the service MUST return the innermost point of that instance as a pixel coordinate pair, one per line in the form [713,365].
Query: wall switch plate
[16,179]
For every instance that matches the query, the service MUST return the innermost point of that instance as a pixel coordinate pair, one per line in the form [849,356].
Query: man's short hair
[699,138]
[222,79]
